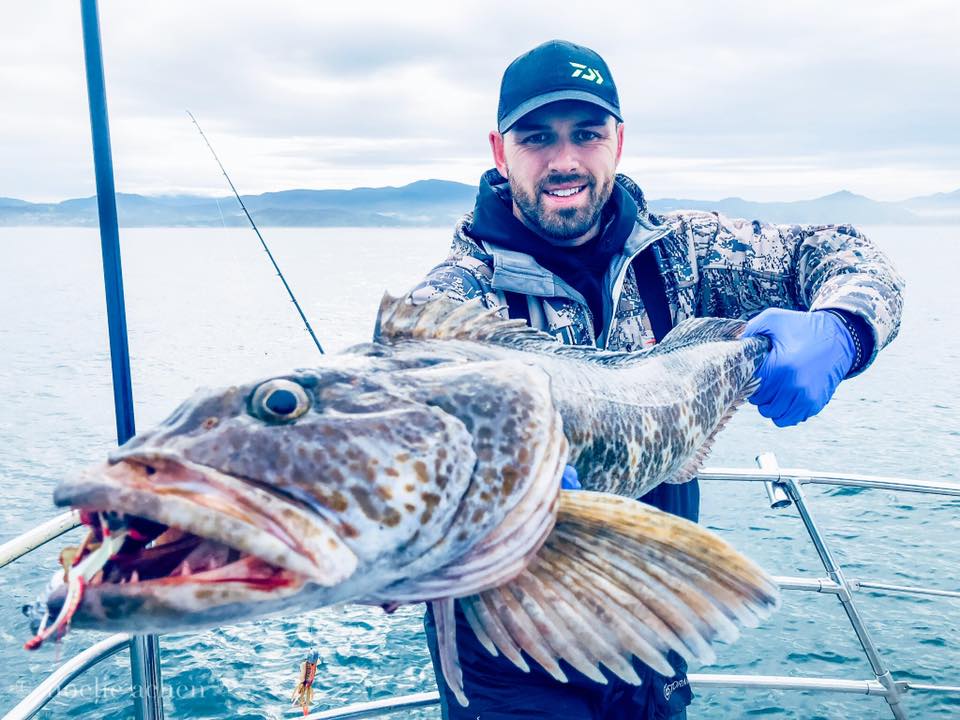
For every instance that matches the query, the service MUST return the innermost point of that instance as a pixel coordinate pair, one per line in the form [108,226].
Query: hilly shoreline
[440,203]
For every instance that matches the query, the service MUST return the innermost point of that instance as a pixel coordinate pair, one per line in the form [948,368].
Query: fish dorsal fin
[696,331]
[400,319]
[692,467]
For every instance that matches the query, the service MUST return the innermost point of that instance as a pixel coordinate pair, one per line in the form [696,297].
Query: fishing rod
[262,241]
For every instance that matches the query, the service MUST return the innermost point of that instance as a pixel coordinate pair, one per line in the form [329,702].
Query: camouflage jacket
[711,265]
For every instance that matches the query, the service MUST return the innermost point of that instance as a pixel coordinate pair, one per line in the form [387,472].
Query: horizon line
[841,191]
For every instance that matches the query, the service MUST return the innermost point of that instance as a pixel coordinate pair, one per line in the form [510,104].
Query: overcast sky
[763,100]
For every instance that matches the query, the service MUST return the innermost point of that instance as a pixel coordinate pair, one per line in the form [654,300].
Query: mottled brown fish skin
[633,420]
[429,460]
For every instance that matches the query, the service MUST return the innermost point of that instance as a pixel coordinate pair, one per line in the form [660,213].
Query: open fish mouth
[169,537]
[175,556]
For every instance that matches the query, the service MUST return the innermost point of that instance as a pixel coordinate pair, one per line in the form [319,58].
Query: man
[561,240]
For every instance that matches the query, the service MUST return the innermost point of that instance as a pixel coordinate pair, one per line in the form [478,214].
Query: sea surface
[205,308]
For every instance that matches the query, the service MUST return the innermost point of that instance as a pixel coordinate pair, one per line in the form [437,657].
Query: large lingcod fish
[425,466]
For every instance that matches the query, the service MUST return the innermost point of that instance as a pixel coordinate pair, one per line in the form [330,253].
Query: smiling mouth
[566,192]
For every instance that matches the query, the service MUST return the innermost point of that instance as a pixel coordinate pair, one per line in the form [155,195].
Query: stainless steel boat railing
[784,487]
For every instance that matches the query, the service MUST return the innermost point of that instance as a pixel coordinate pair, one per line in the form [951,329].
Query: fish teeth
[135,576]
[185,569]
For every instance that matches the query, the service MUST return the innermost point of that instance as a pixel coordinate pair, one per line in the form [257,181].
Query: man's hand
[811,353]
[569,480]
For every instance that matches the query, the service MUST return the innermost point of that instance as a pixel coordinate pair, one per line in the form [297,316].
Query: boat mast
[145,649]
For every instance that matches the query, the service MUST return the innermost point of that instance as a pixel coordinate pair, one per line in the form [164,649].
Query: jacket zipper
[614,296]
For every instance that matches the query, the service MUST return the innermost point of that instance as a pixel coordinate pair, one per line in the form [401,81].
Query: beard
[565,223]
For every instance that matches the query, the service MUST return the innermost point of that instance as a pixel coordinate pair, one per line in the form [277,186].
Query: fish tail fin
[618,579]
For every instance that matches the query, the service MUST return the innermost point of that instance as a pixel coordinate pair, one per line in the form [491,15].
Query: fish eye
[279,401]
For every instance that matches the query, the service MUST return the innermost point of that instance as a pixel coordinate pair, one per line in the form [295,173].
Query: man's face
[561,161]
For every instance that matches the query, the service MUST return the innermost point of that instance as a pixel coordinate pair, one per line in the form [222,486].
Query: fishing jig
[303,693]
[80,566]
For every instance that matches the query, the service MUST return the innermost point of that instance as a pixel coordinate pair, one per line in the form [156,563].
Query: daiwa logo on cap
[554,71]
[591,74]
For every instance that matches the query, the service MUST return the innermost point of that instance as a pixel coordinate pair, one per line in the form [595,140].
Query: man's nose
[565,158]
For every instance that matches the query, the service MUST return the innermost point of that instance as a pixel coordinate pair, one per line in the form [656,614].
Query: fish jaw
[244,590]
[203,501]
[284,552]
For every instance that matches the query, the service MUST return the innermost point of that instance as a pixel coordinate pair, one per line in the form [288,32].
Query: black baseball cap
[556,70]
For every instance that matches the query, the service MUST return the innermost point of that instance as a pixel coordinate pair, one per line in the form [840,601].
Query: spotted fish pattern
[425,466]
[632,420]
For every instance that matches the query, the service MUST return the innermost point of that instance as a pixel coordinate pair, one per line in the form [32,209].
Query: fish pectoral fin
[443,614]
[619,579]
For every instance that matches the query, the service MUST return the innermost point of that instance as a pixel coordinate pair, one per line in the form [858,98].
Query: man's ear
[619,141]
[496,146]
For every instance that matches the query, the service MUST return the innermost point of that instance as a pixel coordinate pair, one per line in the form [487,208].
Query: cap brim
[539,101]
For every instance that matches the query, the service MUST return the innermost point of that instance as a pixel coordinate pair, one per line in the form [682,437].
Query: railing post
[145,674]
[775,491]
[793,491]
[144,651]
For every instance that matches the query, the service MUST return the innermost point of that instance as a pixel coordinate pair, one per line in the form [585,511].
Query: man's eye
[535,139]
[586,135]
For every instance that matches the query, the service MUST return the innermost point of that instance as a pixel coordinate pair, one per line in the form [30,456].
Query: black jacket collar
[494,221]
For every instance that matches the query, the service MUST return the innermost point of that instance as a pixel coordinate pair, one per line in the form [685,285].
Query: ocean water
[205,308]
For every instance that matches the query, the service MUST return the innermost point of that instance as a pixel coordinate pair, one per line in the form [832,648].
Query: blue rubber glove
[811,353]
[569,480]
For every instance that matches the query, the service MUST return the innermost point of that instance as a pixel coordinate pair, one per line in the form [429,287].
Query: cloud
[720,99]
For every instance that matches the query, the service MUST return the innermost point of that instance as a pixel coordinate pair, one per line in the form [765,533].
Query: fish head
[303,490]
[268,492]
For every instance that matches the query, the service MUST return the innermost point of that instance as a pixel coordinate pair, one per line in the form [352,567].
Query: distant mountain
[426,202]
[942,207]
[951,199]
[839,207]
[439,202]
[11,202]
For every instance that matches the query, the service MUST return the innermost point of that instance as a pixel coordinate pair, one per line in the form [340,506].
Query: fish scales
[425,466]
[633,420]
